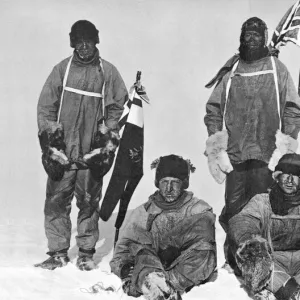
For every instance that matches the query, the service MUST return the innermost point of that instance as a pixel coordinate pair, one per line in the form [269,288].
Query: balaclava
[83,29]
[250,54]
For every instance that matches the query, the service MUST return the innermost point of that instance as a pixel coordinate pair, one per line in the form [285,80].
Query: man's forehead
[170,179]
[252,31]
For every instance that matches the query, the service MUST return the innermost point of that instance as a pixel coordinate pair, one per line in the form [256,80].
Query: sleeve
[198,259]
[249,222]
[48,104]
[120,96]
[215,107]
[291,104]
[135,247]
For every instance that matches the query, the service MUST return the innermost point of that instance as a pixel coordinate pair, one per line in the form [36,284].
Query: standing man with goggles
[252,118]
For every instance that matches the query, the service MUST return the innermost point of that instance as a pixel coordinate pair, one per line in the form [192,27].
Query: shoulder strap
[257,73]
[227,90]
[64,85]
[277,89]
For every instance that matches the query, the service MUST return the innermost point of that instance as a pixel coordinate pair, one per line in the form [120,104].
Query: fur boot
[284,144]
[255,262]
[218,160]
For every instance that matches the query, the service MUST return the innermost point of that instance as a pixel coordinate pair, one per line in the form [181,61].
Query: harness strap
[277,89]
[274,72]
[77,91]
[92,94]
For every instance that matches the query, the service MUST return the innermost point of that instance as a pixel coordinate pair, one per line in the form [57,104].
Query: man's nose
[169,187]
[290,178]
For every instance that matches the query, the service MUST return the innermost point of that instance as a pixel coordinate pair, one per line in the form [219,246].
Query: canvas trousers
[59,195]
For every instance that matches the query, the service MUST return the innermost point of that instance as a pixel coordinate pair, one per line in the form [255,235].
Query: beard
[253,51]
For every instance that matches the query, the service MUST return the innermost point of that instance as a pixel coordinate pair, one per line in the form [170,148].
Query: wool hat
[83,29]
[288,164]
[173,166]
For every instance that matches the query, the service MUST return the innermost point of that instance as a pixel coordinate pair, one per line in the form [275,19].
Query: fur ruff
[255,262]
[218,160]
[284,144]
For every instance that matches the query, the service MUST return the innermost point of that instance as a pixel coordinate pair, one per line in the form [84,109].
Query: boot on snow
[53,262]
[85,263]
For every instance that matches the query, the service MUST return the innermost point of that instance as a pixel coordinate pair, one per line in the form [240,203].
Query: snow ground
[23,243]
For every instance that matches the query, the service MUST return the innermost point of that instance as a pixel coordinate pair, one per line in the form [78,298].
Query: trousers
[59,195]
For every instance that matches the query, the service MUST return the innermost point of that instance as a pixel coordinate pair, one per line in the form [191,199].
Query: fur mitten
[53,146]
[156,287]
[102,155]
[255,262]
[218,160]
[284,144]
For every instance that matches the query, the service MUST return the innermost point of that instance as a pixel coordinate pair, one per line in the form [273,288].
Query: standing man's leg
[58,227]
[259,178]
[234,198]
[88,194]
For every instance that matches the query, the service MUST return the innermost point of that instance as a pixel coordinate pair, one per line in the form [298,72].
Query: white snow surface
[23,244]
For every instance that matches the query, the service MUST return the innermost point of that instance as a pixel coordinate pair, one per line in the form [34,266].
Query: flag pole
[125,198]
[299,85]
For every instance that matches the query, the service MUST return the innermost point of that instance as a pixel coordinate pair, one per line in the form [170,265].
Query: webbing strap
[254,73]
[227,91]
[64,84]
[277,90]
[273,71]
[91,94]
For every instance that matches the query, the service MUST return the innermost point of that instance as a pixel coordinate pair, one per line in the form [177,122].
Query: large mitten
[156,287]
[255,262]
[218,160]
[54,160]
[102,155]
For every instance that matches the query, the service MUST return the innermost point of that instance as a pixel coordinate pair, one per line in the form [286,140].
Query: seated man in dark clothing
[168,244]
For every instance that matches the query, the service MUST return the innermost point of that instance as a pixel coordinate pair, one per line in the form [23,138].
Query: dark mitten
[127,286]
[290,291]
[102,155]
[53,146]
[168,255]
[255,262]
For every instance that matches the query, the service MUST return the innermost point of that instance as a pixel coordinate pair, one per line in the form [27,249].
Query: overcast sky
[178,45]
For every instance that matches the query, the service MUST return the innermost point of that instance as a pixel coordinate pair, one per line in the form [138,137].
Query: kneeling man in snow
[265,236]
[168,244]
